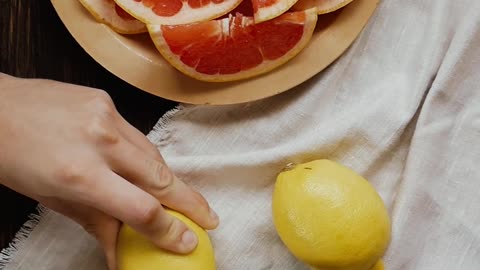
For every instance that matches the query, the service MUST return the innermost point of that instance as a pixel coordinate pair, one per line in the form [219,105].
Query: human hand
[67,147]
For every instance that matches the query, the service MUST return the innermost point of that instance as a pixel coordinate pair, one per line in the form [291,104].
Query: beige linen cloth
[401,107]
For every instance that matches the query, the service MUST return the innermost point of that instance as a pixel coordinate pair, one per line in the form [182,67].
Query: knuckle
[100,130]
[102,103]
[99,126]
[163,178]
[100,94]
[170,230]
[70,174]
[149,214]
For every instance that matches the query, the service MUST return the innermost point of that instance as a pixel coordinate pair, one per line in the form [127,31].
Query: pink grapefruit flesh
[236,47]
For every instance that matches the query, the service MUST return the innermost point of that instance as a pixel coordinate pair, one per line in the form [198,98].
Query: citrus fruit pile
[327,216]
[218,40]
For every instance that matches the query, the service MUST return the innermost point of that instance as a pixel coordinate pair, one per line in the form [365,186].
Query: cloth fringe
[7,253]
[156,132]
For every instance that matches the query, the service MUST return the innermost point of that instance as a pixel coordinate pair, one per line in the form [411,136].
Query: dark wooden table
[34,43]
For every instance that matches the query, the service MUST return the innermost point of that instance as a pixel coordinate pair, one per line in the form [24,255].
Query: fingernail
[213,215]
[189,240]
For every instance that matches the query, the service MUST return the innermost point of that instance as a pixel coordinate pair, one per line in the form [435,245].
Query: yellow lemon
[329,217]
[378,266]
[136,252]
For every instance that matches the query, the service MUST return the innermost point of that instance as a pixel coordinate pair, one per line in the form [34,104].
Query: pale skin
[67,147]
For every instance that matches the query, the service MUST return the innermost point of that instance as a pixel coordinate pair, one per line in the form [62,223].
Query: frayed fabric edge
[7,254]
[156,133]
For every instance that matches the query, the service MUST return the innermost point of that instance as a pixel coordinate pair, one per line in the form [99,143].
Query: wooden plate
[135,59]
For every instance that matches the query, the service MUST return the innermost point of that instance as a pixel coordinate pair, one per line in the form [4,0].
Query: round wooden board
[134,58]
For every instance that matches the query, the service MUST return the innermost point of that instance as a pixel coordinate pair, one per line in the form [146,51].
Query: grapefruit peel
[173,12]
[264,10]
[323,6]
[110,14]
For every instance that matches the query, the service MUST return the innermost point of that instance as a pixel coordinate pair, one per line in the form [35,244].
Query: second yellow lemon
[329,217]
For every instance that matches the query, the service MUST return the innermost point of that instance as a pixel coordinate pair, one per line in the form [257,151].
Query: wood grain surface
[34,43]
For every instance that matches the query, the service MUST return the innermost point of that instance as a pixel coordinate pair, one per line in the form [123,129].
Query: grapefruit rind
[155,32]
[104,12]
[323,6]
[268,13]
[184,16]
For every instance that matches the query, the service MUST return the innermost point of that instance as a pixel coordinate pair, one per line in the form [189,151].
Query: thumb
[106,233]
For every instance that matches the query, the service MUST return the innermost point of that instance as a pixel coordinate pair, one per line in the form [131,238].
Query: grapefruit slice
[265,10]
[234,48]
[323,6]
[109,13]
[171,12]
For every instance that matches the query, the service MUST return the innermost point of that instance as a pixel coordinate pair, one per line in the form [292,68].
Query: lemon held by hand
[135,252]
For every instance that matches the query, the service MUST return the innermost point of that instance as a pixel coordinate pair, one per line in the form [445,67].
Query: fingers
[123,200]
[156,178]
[173,193]
[138,139]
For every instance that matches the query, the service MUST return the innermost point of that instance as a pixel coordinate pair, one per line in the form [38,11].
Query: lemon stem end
[289,166]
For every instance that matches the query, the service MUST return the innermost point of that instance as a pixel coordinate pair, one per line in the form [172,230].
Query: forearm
[4,79]
[5,88]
